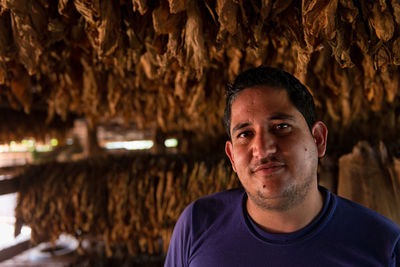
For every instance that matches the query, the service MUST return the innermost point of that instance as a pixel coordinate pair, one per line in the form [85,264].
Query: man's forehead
[257,91]
[270,103]
[261,95]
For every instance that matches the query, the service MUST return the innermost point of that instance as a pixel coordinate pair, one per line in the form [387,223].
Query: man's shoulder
[213,209]
[362,216]
[217,202]
[223,197]
[204,219]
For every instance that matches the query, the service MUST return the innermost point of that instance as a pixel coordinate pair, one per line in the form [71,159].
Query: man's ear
[320,134]
[229,153]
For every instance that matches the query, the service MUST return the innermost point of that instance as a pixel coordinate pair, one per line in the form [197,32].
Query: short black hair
[275,78]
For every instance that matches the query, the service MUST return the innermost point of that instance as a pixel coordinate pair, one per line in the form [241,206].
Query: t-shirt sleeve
[178,250]
[396,254]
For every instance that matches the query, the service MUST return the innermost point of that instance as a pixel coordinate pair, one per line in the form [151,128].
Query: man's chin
[270,201]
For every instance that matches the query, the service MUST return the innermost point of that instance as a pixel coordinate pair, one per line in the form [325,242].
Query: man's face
[272,149]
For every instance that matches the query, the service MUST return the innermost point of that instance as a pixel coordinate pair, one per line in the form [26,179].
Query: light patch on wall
[28,145]
[43,148]
[172,142]
[130,145]
[54,142]
[4,148]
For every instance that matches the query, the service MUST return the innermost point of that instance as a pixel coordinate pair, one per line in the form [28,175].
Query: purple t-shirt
[217,231]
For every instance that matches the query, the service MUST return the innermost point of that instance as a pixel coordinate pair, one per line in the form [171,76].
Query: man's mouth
[268,168]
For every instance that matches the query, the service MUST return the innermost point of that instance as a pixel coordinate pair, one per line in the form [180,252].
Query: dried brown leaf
[91,13]
[114,95]
[303,58]
[341,46]
[390,83]
[368,68]
[319,20]
[6,42]
[3,73]
[21,87]
[176,6]
[382,22]
[35,13]
[181,84]
[147,61]
[109,28]
[290,32]
[332,110]
[91,93]
[198,97]
[348,12]
[227,15]
[396,51]
[234,55]
[328,73]
[362,38]
[382,59]
[280,6]
[61,101]
[140,5]
[173,45]
[163,21]
[90,10]
[28,23]
[357,96]
[382,4]
[376,94]
[346,89]
[196,53]
[396,10]
[266,7]
[63,7]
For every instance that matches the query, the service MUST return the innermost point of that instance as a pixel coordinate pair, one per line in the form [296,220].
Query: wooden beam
[12,251]
[11,170]
[8,186]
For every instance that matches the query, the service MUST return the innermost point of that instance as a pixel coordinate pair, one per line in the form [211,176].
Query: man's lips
[268,168]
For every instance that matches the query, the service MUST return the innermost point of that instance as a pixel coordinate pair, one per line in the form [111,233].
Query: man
[280,217]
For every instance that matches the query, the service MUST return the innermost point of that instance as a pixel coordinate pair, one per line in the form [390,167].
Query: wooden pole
[11,170]
[12,251]
[8,186]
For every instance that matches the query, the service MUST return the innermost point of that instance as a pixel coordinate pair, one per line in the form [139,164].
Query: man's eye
[244,134]
[282,128]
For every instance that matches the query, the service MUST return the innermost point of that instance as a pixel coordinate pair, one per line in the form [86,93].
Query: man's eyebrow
[282,116]
[240,126]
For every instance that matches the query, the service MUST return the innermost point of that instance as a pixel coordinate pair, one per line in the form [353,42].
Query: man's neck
[290,220]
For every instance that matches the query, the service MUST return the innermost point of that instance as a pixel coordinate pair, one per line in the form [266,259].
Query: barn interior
[111,112]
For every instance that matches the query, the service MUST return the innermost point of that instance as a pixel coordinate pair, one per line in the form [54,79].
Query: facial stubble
[292,196]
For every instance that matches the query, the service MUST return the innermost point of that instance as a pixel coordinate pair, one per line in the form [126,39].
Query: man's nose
[264,144]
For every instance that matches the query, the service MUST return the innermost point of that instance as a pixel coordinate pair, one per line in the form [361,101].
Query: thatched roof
[166,63]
